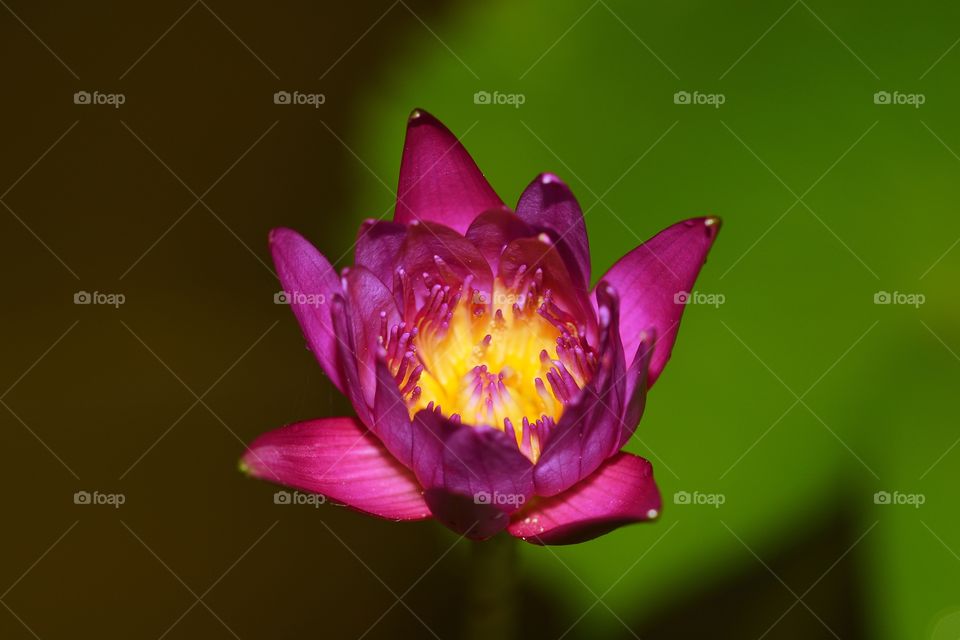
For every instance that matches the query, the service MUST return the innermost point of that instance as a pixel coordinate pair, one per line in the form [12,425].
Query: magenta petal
[439,181]
[310,283]
[474,476]
[492,230]
[378,247]
[372,308]
[637,386]
[547,204]
[652,280]
[340,459]
[622,491]
[590,429]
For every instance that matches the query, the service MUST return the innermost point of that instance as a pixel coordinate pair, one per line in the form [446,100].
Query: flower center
[512,361]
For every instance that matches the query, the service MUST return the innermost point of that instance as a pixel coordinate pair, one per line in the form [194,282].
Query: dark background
[168,199]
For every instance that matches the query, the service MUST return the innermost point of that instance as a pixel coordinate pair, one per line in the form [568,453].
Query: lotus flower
[493,388]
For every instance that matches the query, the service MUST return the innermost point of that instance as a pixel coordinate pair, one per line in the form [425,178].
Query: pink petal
[650,278]
[439,181]
[547,204]
[310,283]
[340,459]
[621,492]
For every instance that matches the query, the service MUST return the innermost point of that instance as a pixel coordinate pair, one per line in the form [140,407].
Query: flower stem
[492,599]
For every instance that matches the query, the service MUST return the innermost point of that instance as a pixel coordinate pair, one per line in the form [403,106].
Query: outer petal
[650,278]
[439,181]
[337,457]
[547,204]
[590,429]
[621,492]
[474,476]
[378,246]
[310,283]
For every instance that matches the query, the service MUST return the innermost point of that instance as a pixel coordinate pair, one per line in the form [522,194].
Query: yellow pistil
[485,367]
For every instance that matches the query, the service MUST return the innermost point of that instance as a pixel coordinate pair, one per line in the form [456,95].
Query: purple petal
[474,476]
[637,386]
[493,230]
[340,459]
[310,283]
[589,430]
[371,308]
[439,181]
[346,345]
[547,204]
[378,247]
[621,492]
[445,256]
[650,278]
[529,255]
[391,419]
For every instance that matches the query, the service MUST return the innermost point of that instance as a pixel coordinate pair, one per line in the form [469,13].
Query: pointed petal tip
[251,466]
[552,183]
[276,234]
[419,115]
[549,178]
[712,224]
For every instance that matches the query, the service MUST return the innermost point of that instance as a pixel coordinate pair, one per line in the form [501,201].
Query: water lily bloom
[494,389]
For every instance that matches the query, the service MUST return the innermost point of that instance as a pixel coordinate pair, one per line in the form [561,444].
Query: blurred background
[804,435]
